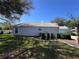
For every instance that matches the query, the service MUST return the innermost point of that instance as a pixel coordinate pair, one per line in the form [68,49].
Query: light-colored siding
[64,31]
[74,37]
[34,31]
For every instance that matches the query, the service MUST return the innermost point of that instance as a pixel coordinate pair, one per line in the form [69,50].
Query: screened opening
[16,30]
[48,36]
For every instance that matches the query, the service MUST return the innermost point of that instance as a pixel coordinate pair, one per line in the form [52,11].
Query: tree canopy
[60,21]
[13,9]
[70,22]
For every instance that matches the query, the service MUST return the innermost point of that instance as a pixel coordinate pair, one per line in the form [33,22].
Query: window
[16,30]
[39,29]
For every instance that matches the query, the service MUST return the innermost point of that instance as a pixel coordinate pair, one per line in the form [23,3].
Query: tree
[60,21]
[74,20]
[7,27]
[77,20]
[77,24]
[70,23]
[11,10]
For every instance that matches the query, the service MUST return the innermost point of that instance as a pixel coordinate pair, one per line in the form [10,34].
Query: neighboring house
[34,29]
[7,31]
[64,29]
[74,30]
[74,34]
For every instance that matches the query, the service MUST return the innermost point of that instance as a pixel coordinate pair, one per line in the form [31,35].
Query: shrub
[1,32]
[58,36]
[73,34]
[68,36]
[63,36]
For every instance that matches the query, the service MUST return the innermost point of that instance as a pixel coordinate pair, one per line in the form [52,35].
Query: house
[74,31]
[34,29]
[64,29]
[74,34]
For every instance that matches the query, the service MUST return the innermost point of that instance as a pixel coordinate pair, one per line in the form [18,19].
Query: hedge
[63,36]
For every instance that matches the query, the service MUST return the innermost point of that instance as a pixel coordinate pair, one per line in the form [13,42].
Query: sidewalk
[70,42]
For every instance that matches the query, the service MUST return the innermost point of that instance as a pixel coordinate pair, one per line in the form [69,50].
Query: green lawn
[39,49]
[5,36]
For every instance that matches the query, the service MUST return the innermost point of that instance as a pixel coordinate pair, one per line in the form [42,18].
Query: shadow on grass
[38,52]
[28,48]
[10,44]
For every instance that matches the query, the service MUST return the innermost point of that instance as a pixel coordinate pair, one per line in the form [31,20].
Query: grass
[39,49]
[5,36]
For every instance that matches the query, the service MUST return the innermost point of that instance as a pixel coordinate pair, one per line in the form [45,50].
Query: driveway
[70,42]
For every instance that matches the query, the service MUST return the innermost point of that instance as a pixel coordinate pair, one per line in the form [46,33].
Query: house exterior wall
[34,31]
[64,31]
[74,37]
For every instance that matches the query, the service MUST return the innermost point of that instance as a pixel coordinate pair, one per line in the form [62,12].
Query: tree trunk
[78,33]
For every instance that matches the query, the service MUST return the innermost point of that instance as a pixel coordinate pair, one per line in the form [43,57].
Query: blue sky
[47,10]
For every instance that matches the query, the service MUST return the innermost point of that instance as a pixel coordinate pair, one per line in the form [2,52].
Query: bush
[63,36]
[58,36]
[68,36]
[1,32]
[73,34]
